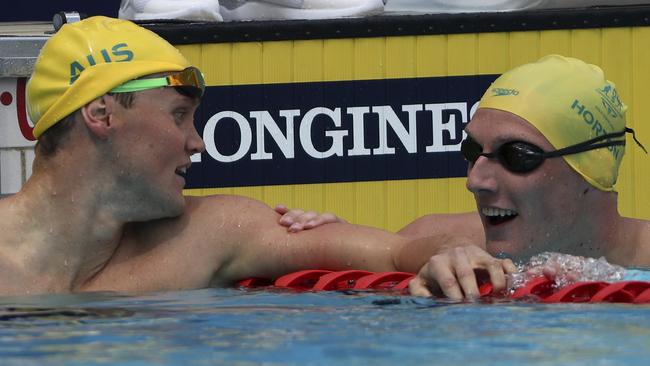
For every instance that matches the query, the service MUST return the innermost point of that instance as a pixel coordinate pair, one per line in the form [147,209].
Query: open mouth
[182,171]
[498,216]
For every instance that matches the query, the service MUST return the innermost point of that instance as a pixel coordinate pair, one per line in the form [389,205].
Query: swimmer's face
[157,138]
[522,213]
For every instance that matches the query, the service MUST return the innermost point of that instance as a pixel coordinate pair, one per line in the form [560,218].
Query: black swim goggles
[524,157]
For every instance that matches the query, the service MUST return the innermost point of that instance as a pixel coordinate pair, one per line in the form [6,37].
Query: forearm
[269,251]
[345,246]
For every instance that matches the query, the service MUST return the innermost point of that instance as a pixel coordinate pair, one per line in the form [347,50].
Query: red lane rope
[543,289]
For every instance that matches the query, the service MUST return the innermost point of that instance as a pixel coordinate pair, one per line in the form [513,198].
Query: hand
[453,272]
[297,220]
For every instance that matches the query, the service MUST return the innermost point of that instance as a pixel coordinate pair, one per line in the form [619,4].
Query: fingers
[297,220]
[437,273]
[313,219]
[465,274]
[418,287]
[454,273]
[497,270]
[281,209]
[508,266]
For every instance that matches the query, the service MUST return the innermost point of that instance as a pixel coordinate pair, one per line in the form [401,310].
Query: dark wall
[45,9]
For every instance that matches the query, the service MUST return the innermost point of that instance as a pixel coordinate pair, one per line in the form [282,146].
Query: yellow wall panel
[493,53]
[309,196]
[247,63]
[555,42]
[340,198]
[369,58]
[586,45]
[277,62]
[400,57]
[338,59]
[191,53]
[401,202]
[524,47]
[370,200]
[308,61]
[274,195]
[216,63]
[640,162]
[431,56]
[462,54]
[432,196]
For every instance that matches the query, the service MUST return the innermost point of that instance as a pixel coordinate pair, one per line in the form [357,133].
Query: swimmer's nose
[195,143]
[481,175]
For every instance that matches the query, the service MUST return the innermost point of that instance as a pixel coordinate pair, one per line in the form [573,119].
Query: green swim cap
[568,101]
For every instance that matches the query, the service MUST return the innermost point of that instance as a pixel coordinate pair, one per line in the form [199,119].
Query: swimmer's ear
[98,117]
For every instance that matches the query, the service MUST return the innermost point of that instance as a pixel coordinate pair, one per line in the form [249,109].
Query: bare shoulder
[187,251]
[208,205]
[468,223]
[208,221]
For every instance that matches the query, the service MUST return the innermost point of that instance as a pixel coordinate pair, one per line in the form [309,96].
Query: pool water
[238,327]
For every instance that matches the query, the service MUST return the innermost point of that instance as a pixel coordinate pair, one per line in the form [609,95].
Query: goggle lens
[515,156]
[190,77]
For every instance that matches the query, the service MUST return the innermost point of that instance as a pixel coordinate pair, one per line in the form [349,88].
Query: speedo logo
[118,53]
[500,92]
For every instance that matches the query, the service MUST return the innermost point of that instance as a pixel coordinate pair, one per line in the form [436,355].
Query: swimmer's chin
[495,247]
[175,208]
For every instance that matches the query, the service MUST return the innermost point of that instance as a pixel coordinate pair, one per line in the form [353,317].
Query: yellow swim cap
[85,60]
[568,101]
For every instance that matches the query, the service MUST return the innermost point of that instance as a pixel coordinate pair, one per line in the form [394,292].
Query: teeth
[493,212]
[181,170]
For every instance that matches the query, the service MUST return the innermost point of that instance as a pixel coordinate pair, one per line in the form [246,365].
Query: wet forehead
[167,96]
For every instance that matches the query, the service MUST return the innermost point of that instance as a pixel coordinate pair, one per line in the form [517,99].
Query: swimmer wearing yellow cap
[113,107]
[529,200]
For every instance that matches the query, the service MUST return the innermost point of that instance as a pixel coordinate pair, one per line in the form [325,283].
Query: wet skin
[526,213]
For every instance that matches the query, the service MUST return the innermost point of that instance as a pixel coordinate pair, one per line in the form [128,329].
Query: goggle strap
[578,149]
[629,130]
[592,144]
[140,85]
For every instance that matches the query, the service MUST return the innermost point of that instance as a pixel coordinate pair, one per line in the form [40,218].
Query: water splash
[565,269]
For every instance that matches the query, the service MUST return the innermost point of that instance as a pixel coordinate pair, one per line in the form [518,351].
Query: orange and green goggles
[189,77]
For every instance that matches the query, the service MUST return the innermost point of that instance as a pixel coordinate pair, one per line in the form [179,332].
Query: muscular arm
[223,239]
[468,224]
[267,250]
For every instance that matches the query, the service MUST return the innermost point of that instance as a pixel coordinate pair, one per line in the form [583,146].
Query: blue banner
[325,132]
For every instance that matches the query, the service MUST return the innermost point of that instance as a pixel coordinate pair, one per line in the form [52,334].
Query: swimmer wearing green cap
[104,209]
[544,149]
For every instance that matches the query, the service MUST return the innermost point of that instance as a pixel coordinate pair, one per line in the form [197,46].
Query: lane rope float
[540,288]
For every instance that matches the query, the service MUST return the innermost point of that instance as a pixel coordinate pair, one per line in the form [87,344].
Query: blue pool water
[235,327]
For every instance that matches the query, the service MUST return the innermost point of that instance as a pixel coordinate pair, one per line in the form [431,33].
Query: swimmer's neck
[56,240]
[603,231]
